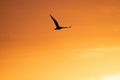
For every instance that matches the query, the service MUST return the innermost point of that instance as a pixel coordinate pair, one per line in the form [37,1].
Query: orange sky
[30,48]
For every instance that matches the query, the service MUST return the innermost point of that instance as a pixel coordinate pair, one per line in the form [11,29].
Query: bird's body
[57,25]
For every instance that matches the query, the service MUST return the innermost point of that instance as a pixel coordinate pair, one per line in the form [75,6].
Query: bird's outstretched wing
[67,27]
[55,21]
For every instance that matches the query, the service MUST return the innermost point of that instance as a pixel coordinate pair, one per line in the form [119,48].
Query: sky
[30,48]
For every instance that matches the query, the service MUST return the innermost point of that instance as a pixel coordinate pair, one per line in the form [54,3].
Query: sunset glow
[111,77]
[30,48]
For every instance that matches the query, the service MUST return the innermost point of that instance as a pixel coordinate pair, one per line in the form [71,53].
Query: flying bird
[57,25]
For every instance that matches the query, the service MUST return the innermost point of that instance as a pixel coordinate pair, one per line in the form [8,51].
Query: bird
[58,27]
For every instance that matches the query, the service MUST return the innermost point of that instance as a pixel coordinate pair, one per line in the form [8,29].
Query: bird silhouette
[57,25]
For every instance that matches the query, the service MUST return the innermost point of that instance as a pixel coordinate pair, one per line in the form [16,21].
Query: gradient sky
[30,48]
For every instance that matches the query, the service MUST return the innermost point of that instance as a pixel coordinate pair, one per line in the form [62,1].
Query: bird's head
[56,29]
